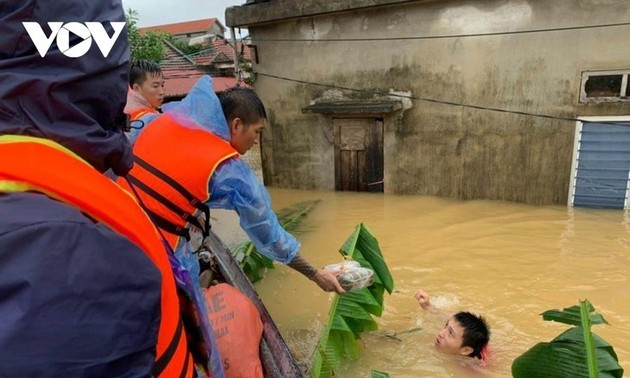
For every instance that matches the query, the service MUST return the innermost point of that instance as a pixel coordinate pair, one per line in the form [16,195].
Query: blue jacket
[233,186]
[76,299]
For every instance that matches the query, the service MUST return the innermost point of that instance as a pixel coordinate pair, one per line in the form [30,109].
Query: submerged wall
[435,148]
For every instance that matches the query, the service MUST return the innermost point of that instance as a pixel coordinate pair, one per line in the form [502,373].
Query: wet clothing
[233,185]
[77,299]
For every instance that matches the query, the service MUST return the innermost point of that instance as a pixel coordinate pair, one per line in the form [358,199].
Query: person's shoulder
[39,224]
[29,207]
[33,214]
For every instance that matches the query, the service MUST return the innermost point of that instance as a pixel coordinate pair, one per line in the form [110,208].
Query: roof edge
[278,10]
[354,107]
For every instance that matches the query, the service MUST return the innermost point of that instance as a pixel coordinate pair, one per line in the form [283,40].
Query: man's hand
[327,281]
[423,299]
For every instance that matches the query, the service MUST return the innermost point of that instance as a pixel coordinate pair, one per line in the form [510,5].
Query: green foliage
[148,46]
[248,257]
[576,352]
[378,374]
[249,75]
[351,313]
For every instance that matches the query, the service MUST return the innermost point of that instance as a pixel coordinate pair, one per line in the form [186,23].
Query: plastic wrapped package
[353,277]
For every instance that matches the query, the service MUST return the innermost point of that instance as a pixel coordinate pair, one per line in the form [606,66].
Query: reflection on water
[509,262]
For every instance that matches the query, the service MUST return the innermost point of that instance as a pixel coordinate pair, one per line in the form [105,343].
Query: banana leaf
[352,313]
[248,257]
[577,352]
[573,315]
[378,374]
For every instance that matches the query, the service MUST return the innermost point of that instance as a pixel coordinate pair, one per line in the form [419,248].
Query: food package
[353,277]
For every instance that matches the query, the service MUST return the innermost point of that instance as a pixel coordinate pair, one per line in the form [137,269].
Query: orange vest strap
[166,202]
[139,113]
[162,362]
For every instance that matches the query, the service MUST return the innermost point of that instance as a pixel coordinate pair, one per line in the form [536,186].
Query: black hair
[476,332]
[243,103]
[139,69]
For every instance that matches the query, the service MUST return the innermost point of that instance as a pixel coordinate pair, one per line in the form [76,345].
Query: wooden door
[358,154]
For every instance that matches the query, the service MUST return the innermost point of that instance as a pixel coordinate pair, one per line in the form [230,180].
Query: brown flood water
[509,262]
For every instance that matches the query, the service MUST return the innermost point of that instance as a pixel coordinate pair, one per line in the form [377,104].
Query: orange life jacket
[138,113]
[173,168]
[44,166]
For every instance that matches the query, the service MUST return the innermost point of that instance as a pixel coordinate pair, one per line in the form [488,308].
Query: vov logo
[88,32]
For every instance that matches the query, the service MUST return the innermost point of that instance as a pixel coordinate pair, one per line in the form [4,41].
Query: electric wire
[442,102]
[488,34]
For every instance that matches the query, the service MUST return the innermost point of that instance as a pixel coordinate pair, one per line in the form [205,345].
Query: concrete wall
[432,148]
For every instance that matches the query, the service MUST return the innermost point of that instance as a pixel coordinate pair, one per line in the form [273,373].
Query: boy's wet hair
[243,103]
[139,69]
[476,332]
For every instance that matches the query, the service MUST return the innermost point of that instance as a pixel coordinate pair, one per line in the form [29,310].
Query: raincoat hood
[200,108]
[77,102]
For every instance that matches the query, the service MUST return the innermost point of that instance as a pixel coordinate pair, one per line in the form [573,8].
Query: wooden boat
[276,358]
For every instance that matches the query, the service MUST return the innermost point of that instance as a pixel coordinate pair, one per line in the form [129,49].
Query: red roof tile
[178,83]
[180,75]
[222,46]
[183,27]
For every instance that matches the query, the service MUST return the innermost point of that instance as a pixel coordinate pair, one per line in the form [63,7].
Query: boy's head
[245,115]
[464,334]
[145,78]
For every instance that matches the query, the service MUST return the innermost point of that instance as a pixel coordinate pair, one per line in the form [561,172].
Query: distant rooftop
[196,26]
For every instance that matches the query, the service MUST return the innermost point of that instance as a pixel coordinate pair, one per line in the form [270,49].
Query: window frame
[619,98]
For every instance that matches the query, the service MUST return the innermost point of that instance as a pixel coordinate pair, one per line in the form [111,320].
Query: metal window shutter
[602,166]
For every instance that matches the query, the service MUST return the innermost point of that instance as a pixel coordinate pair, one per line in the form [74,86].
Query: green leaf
[378,374]
[363,243]
[585,309]
[367,301]
[572,316]
[576,352]
[562,360]
[351,313]
[246,254]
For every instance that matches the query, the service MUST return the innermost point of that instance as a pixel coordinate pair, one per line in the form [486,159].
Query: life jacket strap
[192,200]
[183,214]
[167,225]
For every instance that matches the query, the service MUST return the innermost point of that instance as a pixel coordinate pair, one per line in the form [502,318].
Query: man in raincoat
[86,286]
[203,158]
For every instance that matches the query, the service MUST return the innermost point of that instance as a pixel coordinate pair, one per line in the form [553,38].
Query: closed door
[358,154]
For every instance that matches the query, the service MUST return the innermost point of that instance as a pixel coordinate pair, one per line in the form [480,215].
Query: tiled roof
[175,60]
[180,75]
[178,83]
[220,47]
[183,27]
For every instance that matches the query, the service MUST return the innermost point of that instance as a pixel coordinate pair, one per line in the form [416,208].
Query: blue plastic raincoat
[233,186]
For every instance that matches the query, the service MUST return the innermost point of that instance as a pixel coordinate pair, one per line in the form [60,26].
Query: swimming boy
[464,333]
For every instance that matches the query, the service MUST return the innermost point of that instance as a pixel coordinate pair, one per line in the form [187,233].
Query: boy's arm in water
[424,300]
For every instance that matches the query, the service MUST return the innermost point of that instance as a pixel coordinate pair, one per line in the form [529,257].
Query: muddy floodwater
[509,262]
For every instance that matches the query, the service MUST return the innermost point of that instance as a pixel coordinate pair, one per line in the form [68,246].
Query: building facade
[461,99]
